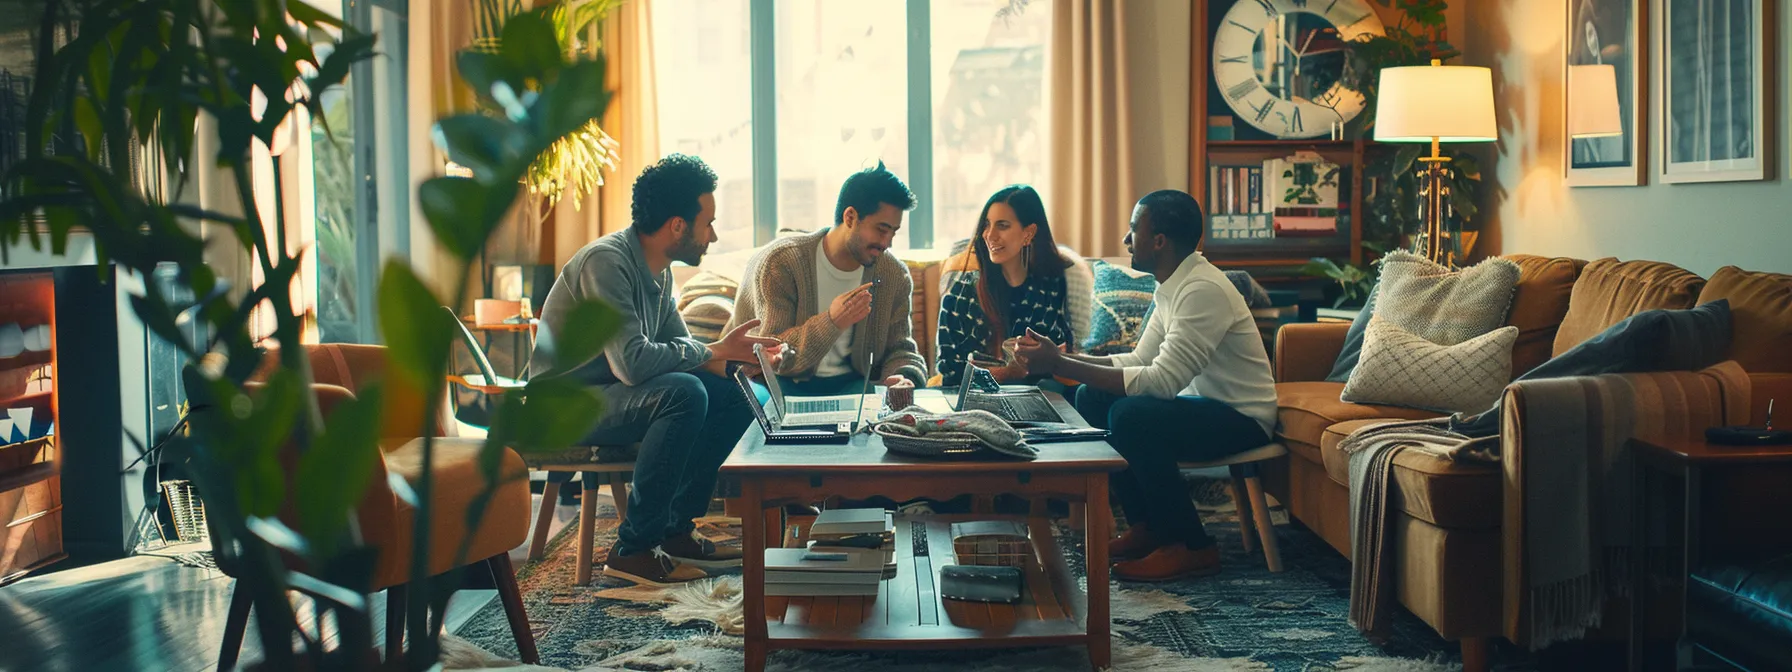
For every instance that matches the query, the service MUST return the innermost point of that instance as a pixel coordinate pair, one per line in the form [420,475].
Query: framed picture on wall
[1716,85]
[1606,100]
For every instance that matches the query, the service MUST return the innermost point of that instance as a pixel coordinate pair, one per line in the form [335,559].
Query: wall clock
[1279,64]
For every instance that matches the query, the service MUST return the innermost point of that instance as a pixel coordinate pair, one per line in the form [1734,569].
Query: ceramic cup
[37,339]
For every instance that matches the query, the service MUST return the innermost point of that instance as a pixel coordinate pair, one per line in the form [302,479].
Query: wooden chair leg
[1474,654]
[395,599]
[1266,530]
[1078,511]
[619,492]
[587,534]
[1243,505]
[544,518]
[505,577]
[235,624]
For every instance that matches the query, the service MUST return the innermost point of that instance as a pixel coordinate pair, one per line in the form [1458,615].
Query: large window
[948,94]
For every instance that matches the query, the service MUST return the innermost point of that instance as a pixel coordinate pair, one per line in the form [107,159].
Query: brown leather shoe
[650,568]
[1136,543]
[1170,563]
[694,550]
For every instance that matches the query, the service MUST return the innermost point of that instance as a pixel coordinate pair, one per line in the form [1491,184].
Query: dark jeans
[686,423]
[1153,435]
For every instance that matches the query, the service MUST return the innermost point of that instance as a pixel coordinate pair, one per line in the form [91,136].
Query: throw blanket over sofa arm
[1564,446]
[1305,351]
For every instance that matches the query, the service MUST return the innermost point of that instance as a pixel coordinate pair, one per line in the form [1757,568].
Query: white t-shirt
[830,283]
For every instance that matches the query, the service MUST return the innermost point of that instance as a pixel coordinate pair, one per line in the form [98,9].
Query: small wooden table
[907,612]
[1688,459]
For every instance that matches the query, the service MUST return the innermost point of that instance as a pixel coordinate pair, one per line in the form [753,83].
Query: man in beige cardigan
[837,297]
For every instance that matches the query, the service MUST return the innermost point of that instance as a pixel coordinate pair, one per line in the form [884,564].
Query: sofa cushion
[1307,408]
[1743,611]
[1610,290]
[1437,490]
[1123,301]
[1403,369]
[1538,305]
[1353,340]
[1442,305]
[1761,311]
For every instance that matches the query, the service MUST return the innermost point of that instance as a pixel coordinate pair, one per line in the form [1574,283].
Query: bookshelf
[1279,254]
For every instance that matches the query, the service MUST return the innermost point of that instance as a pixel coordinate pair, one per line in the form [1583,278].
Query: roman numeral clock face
[1279,63]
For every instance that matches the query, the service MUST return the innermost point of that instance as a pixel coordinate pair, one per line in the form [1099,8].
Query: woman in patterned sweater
[1022,285]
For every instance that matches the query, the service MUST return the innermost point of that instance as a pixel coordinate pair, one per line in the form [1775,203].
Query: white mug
[12,340]
[37,339]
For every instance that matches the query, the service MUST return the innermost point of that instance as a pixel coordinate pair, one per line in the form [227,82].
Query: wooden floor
[149,613]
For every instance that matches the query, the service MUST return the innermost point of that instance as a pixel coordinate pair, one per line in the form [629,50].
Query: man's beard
[687,250]
[1142,263]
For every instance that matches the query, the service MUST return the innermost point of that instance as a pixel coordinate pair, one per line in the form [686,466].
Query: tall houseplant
[143,73]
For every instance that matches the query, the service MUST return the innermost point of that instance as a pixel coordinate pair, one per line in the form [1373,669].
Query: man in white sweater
[1198,387]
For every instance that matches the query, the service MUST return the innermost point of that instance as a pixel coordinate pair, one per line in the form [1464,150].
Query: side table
[1691,460]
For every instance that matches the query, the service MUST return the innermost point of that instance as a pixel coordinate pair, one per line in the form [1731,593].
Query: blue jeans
[686,423]
[1153,435]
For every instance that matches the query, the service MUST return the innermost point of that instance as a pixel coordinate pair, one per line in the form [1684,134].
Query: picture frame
[1716,83]
[1615,33]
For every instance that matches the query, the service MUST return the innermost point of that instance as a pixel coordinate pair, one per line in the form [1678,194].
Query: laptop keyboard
[1014,409]
[818,406]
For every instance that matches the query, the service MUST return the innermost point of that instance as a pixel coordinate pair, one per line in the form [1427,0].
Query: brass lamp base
[1435,201]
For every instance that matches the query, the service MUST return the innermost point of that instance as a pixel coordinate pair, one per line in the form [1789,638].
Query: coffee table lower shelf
[908,612]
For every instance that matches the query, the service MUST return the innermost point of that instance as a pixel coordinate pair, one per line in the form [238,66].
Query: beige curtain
[632,120]
[438,29]
[1092,175]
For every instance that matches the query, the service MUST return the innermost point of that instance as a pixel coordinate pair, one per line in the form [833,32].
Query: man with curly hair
[661,388]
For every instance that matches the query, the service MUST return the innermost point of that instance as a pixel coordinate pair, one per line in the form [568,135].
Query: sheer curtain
[1092,175]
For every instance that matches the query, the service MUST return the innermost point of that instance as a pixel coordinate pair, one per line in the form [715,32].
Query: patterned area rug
[1245,618]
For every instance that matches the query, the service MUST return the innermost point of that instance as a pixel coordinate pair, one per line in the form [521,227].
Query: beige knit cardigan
[780,290]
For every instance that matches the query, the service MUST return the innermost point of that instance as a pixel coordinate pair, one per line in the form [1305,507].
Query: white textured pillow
[1441,305]
[1399,368]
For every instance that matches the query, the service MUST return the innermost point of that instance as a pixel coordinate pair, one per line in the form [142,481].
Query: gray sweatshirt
[653,339]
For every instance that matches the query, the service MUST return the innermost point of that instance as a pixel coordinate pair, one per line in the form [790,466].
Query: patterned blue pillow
[1122,304]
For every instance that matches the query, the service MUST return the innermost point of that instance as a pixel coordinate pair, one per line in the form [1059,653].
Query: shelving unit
[30,470]
[1284,254]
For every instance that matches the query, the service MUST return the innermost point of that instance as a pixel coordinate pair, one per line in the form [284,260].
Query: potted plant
[141,73]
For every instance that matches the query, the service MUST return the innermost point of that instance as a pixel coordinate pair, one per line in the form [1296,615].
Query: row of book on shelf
[851,551]
[1279,197]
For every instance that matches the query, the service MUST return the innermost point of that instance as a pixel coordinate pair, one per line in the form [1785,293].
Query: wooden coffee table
[907,612]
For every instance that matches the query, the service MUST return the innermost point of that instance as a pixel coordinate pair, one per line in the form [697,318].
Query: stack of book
[801,571]
[867,532]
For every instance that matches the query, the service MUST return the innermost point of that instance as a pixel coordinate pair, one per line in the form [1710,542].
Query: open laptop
[778,431]
[979,390]
[827,410]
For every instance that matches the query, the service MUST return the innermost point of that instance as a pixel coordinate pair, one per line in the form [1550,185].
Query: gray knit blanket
[1577,483]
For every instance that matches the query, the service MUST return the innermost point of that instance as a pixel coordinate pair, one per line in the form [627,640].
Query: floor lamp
[1435,103]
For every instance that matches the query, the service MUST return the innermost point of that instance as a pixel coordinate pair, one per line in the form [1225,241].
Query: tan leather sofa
[1459,555]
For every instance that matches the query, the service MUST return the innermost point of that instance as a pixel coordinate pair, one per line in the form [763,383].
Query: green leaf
[463,212]
[353,49]
[592,324]
[489,147]
[91,127]
[335,471]
[482,70]
[576,97]
[530,47]
[550,415]
[417,332]
[259,436]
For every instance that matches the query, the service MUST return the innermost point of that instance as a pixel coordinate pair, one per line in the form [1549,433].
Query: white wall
[1699,227]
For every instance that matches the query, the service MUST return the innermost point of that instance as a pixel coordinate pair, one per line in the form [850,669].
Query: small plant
[1415,39]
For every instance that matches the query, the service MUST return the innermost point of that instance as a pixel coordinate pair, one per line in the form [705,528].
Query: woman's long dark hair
[1042,257]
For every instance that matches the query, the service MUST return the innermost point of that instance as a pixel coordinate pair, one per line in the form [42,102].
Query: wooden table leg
[1095,542]
[587,535]
[753,572]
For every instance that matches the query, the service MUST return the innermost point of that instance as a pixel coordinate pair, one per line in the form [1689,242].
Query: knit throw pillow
[1443,306]
[1122,304]
[1400,368]
[705,316]
[707,283]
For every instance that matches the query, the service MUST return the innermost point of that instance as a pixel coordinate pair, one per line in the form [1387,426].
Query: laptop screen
[746,388]
[975,377]
[771,379]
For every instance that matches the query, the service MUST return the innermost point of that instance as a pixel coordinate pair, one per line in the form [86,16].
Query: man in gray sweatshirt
[661,388]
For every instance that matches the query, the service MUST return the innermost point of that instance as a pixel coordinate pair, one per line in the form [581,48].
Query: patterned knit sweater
[1039,304]
[780,290]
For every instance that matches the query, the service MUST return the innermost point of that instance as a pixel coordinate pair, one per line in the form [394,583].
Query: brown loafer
[1136,543]
[1170,563]
[650,568]
[694,550]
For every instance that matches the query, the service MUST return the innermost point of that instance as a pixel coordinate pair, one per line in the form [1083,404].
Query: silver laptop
[811,411]
[979,390]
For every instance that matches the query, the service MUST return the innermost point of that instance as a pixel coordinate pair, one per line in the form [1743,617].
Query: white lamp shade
[1448,103]
[1593,102]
